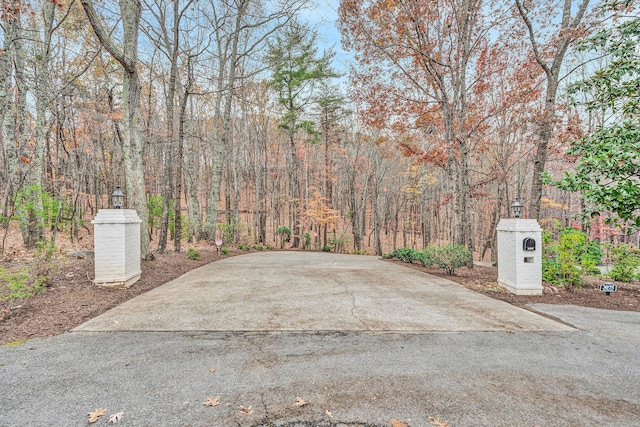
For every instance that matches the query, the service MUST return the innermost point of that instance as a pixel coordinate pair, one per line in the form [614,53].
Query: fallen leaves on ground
[246,410]
[437,422]
[114,418]
[329,413]
[398,423]
[301,402]
[95,415]
[212,370]
[212,401]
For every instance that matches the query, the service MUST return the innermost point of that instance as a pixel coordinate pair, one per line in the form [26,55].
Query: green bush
[21,284]
[227,233]
[406,255]
[626,260]
[224,251]
[337,243]
[448,257]
[193,254]
[285,234]
[326,249]
[155,208]
[244,247]
[258,247]
[306,241]
[269,247]
[566,260]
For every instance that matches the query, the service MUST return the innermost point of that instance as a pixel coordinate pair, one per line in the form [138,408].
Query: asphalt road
[531,372]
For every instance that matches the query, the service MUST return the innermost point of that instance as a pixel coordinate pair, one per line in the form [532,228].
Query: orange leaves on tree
[319,212]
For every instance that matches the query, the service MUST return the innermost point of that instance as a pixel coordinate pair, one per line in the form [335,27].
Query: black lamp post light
[516,208]
[117,198]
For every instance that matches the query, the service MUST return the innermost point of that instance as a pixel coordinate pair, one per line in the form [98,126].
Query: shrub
[306,241]
[227,232]
[448,257]
[224,251]
[326,249]
[337,243]
[258,247]
[566,260]
[409,255]
[626,259]
[269,247]
[22,284]
[406,255]
[193,254]
[285,234]
[244,247]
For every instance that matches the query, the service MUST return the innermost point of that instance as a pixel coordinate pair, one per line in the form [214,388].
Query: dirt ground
[71,298]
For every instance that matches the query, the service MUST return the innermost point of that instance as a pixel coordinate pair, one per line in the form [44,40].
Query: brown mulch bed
[71,298]
[485,280]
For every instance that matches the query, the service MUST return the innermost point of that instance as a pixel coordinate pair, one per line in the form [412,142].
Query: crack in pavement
[353,302]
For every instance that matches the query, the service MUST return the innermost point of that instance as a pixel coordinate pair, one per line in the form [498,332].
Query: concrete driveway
[362,341]
[310,291]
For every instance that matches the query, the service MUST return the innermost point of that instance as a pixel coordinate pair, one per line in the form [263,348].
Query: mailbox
[529,244]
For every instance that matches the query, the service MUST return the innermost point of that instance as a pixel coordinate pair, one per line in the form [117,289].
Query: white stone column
[520,267]
[117,247]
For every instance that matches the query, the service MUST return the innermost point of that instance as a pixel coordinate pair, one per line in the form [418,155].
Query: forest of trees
[225,118]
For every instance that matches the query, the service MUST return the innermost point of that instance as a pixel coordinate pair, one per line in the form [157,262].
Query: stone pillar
[520,256]
[117,247]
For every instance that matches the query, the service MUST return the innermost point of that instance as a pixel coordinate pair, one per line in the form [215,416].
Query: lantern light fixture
[117,198]
[516,208]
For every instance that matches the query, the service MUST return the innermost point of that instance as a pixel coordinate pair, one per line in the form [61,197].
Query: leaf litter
[212,401]
[300,402]
[114,418]
[95,415]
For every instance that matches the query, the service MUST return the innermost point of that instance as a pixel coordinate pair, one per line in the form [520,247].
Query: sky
[325,15]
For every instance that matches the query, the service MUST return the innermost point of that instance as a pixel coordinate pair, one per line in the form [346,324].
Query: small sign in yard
[608,288]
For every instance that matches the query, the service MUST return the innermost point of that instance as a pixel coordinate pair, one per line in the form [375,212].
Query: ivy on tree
[607,171]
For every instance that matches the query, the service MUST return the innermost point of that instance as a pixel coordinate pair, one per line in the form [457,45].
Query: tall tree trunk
[222,142]
[565,35]
[193,204]
[36,216]
[130,11]
[7,123]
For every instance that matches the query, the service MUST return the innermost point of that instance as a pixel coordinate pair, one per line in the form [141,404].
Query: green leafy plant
[227,231]
[224,251]
[155,208]
[193,254]
[447,257]
[285,234]
[306,241]
[626,260]
[258,247]
[21,284]
[406,255]
[567,259]
[269,247]
[326,249]
[244,247]
[337,242]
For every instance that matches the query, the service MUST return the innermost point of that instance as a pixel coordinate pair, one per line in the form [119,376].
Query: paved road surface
[362,341]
